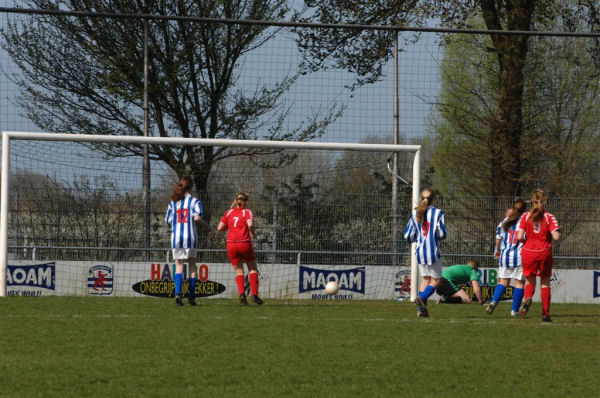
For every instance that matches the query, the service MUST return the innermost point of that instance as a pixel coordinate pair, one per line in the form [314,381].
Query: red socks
[545,300]
[529,290]
[239,281]
[545,293]
[253,277]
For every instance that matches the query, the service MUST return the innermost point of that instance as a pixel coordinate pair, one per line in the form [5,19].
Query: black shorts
[445,288]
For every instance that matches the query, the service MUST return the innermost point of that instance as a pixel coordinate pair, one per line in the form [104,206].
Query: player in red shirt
[537,229]
[239,224]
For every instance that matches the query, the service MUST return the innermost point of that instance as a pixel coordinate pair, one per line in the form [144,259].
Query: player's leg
[426,279]
[462,295]
[530,282]
[238,266]
[446,290]
[253,279]
[434,272]
[239,282]
[518,291]
[178,279]
[192,286]
[250,258]
[530,266]
[545,292]
[498,290]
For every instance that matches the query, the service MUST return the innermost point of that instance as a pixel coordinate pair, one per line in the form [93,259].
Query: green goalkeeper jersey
[459,274]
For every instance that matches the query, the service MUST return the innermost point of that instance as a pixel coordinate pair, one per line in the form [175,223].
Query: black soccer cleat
[243,300]
[192,301]
[256,299]
[178,300]
[525,306]
[490,307]
[420,304]
[423,314]
[546,318]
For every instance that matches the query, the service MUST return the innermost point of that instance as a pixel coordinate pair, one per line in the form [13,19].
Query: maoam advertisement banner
[31,280]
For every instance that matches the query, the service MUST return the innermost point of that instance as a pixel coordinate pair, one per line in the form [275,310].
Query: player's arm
[410,233]
[169,215]
[198,213]
[198,219]
[250,224]
[521,228]
[222,226]
[497,250]
[556,234]
[477,291]
[441,227]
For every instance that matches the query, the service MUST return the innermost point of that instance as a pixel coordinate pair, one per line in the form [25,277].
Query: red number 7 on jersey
[182,215]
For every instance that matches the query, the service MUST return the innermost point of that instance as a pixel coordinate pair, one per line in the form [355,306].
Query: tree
[560,122]
[462,130]
[365,51]
[85,75]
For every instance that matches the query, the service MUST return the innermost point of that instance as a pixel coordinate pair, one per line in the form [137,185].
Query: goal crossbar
[7,136]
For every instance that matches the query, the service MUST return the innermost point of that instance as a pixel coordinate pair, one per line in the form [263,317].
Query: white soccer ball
[332,288]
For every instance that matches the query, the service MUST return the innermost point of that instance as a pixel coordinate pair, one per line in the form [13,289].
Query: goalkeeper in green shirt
[453,277]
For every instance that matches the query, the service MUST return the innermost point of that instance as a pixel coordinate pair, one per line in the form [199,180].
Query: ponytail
[184,185]
[237,195]
[517,208]
[538,199]
[426,200]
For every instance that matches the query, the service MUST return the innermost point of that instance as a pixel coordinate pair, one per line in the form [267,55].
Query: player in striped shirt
[183,213]
[426,228]
[537,229]
[508,253]
[238,221]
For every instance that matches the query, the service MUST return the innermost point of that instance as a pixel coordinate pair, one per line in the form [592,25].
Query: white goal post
[7,136]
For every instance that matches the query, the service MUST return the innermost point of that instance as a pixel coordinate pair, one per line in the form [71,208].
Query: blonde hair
[184,185]
[517,208]
[538,200]
[426,200]
[240,193]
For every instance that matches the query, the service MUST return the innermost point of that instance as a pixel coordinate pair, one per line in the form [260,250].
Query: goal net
[77,222]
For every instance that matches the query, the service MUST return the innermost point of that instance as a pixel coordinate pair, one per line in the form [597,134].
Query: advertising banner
[288,281]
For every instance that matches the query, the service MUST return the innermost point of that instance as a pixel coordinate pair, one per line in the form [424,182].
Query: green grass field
[120,347]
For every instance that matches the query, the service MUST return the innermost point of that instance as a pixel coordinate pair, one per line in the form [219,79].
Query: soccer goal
[77,219]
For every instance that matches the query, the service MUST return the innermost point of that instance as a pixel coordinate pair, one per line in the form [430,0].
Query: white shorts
[511,272]
[184,254]
[434,270]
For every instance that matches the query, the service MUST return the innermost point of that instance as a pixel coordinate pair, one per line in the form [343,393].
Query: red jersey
[237,224]
[538,235]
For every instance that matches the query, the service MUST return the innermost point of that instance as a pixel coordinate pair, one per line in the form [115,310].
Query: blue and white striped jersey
[510,247]
[180,216]
[427,234]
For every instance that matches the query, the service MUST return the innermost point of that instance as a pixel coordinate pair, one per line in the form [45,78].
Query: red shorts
[238,251]
[537,263]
